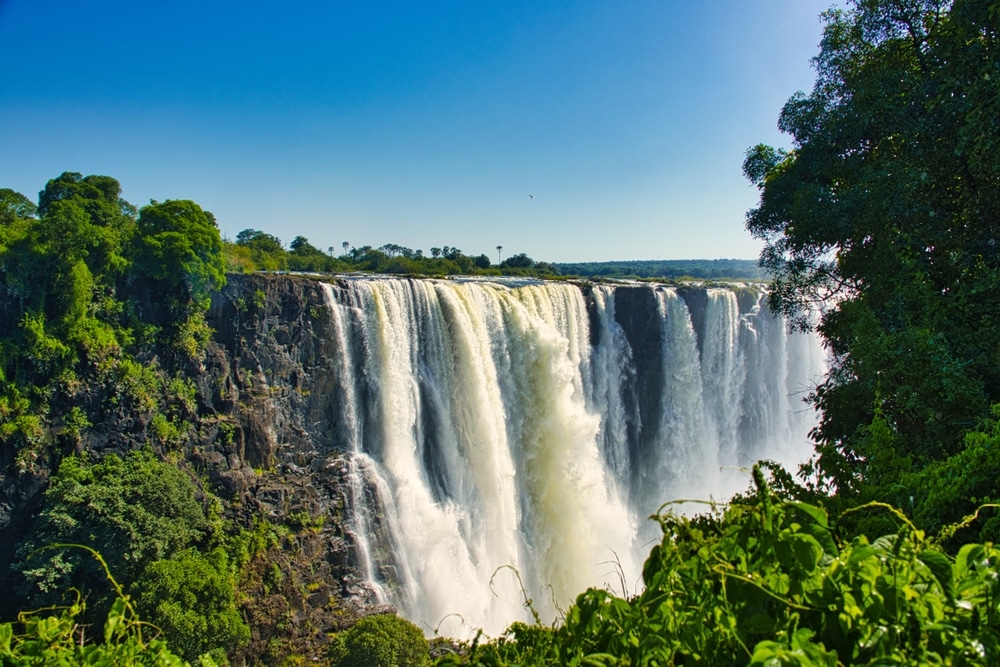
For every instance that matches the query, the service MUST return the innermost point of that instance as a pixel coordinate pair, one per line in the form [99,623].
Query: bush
[133,510]
[382,640]
[55,636]
[191,597]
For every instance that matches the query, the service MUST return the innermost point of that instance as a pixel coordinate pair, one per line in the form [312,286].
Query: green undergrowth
[773,583]
[56,636]
[765,582]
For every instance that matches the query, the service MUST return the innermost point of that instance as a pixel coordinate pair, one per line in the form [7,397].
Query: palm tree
[499,258]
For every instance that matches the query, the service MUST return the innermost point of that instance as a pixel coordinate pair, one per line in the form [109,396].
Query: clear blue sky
[421,124]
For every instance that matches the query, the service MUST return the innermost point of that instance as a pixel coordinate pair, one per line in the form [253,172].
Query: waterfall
[511,439]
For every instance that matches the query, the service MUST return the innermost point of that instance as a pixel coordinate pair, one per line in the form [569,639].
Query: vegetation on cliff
[90,285]
[54,636]
[103,335]
[143,516]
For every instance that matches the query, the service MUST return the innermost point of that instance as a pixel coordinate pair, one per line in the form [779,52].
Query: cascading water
[537,425]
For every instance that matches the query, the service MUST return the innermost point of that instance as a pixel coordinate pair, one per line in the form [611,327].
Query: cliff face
[263,376]
[257,437]
[264,400]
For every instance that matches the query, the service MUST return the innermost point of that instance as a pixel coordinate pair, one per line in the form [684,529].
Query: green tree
[266,250]
[15,207]
[179,247]
[301,245]
[133,511]
[518,261]
[107,225]
[191,597]
[304,256]
[145,518]
[886,210]
[59,273]
[381,640]
[178,261]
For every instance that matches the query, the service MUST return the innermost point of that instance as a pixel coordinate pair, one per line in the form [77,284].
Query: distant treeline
[706,269]
[255,250]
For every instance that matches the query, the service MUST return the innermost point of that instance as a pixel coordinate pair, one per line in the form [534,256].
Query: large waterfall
[538,425]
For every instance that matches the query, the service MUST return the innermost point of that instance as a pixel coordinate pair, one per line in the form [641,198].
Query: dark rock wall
[637,313]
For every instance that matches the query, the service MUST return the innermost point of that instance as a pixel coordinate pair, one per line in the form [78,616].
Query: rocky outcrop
[268,449]
[637,313]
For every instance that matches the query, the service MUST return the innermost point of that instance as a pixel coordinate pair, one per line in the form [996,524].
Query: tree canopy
[86,281]
[142,515]
[885,213]
[255,250]
[179,246]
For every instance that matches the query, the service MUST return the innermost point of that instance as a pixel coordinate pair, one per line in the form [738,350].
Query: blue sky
[419,124]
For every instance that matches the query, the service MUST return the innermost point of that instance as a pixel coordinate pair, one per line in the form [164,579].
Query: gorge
[475,425]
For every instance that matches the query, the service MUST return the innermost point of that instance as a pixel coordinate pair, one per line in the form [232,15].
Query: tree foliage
[380,640]
[86,283]
[255,250]
[133,510]
[178,245]
[55,637]
[699,269]
[192,598]
[886,211]
[145,518]
[15,208]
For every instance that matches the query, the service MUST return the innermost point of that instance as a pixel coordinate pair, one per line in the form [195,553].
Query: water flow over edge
[499,440]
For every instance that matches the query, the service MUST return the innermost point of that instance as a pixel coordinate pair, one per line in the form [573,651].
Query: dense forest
[879,550]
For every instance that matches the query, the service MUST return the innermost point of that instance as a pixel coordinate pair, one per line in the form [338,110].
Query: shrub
[192,598]
[382,640]
[134,511]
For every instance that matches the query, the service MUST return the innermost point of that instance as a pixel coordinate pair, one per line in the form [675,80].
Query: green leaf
[807,551]
[940,567]
[968,556]
[6,635]
[116,622]
[822,537]
[818,514]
